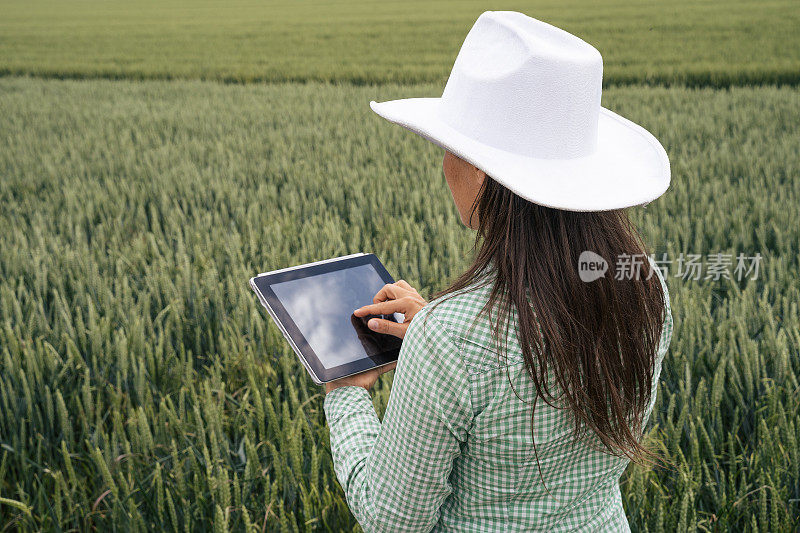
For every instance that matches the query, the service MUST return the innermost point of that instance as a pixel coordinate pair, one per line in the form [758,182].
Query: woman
[521,392]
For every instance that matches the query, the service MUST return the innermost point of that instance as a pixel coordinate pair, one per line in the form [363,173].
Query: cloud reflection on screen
[321,307]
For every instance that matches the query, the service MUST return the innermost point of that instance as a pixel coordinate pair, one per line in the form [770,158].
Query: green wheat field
[142,385]
[694,42]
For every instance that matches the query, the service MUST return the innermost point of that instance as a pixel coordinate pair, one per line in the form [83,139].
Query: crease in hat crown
[560,42]
[513,72]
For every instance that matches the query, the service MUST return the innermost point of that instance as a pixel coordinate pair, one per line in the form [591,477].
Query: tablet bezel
[262,285]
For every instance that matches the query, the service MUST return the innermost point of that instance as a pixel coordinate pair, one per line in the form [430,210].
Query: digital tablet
[313,306]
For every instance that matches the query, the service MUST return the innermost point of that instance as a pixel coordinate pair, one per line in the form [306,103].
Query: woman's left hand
[398,297]
[364,379]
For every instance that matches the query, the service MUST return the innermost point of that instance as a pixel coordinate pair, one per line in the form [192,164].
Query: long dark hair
[600,337]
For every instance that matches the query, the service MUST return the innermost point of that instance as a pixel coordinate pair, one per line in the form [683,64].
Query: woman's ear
[479,176]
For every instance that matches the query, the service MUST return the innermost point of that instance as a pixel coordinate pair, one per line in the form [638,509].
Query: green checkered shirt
[454,450]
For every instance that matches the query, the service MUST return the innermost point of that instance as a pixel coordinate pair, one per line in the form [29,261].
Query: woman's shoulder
[453,307]
[461,314]
[667,327]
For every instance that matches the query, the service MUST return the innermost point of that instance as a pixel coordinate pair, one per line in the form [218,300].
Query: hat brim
[628,168]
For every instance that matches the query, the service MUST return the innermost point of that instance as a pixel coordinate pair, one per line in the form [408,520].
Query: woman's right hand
[398,297]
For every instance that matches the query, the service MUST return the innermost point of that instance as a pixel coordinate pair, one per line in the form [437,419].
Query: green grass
[142,386]
[705,43]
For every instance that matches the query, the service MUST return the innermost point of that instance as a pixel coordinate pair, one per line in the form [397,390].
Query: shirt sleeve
[395,474]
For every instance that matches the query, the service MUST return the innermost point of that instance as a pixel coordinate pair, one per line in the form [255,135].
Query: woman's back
[455,450]
[496,480]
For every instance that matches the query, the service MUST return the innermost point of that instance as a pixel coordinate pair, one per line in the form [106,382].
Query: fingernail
[373,323]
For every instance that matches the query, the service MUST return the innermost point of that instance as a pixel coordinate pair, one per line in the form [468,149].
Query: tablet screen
[321,306]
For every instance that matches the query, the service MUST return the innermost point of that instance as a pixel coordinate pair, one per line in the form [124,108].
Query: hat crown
[524,86]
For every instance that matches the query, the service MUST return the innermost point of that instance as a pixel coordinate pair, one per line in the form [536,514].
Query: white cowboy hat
[523,104]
